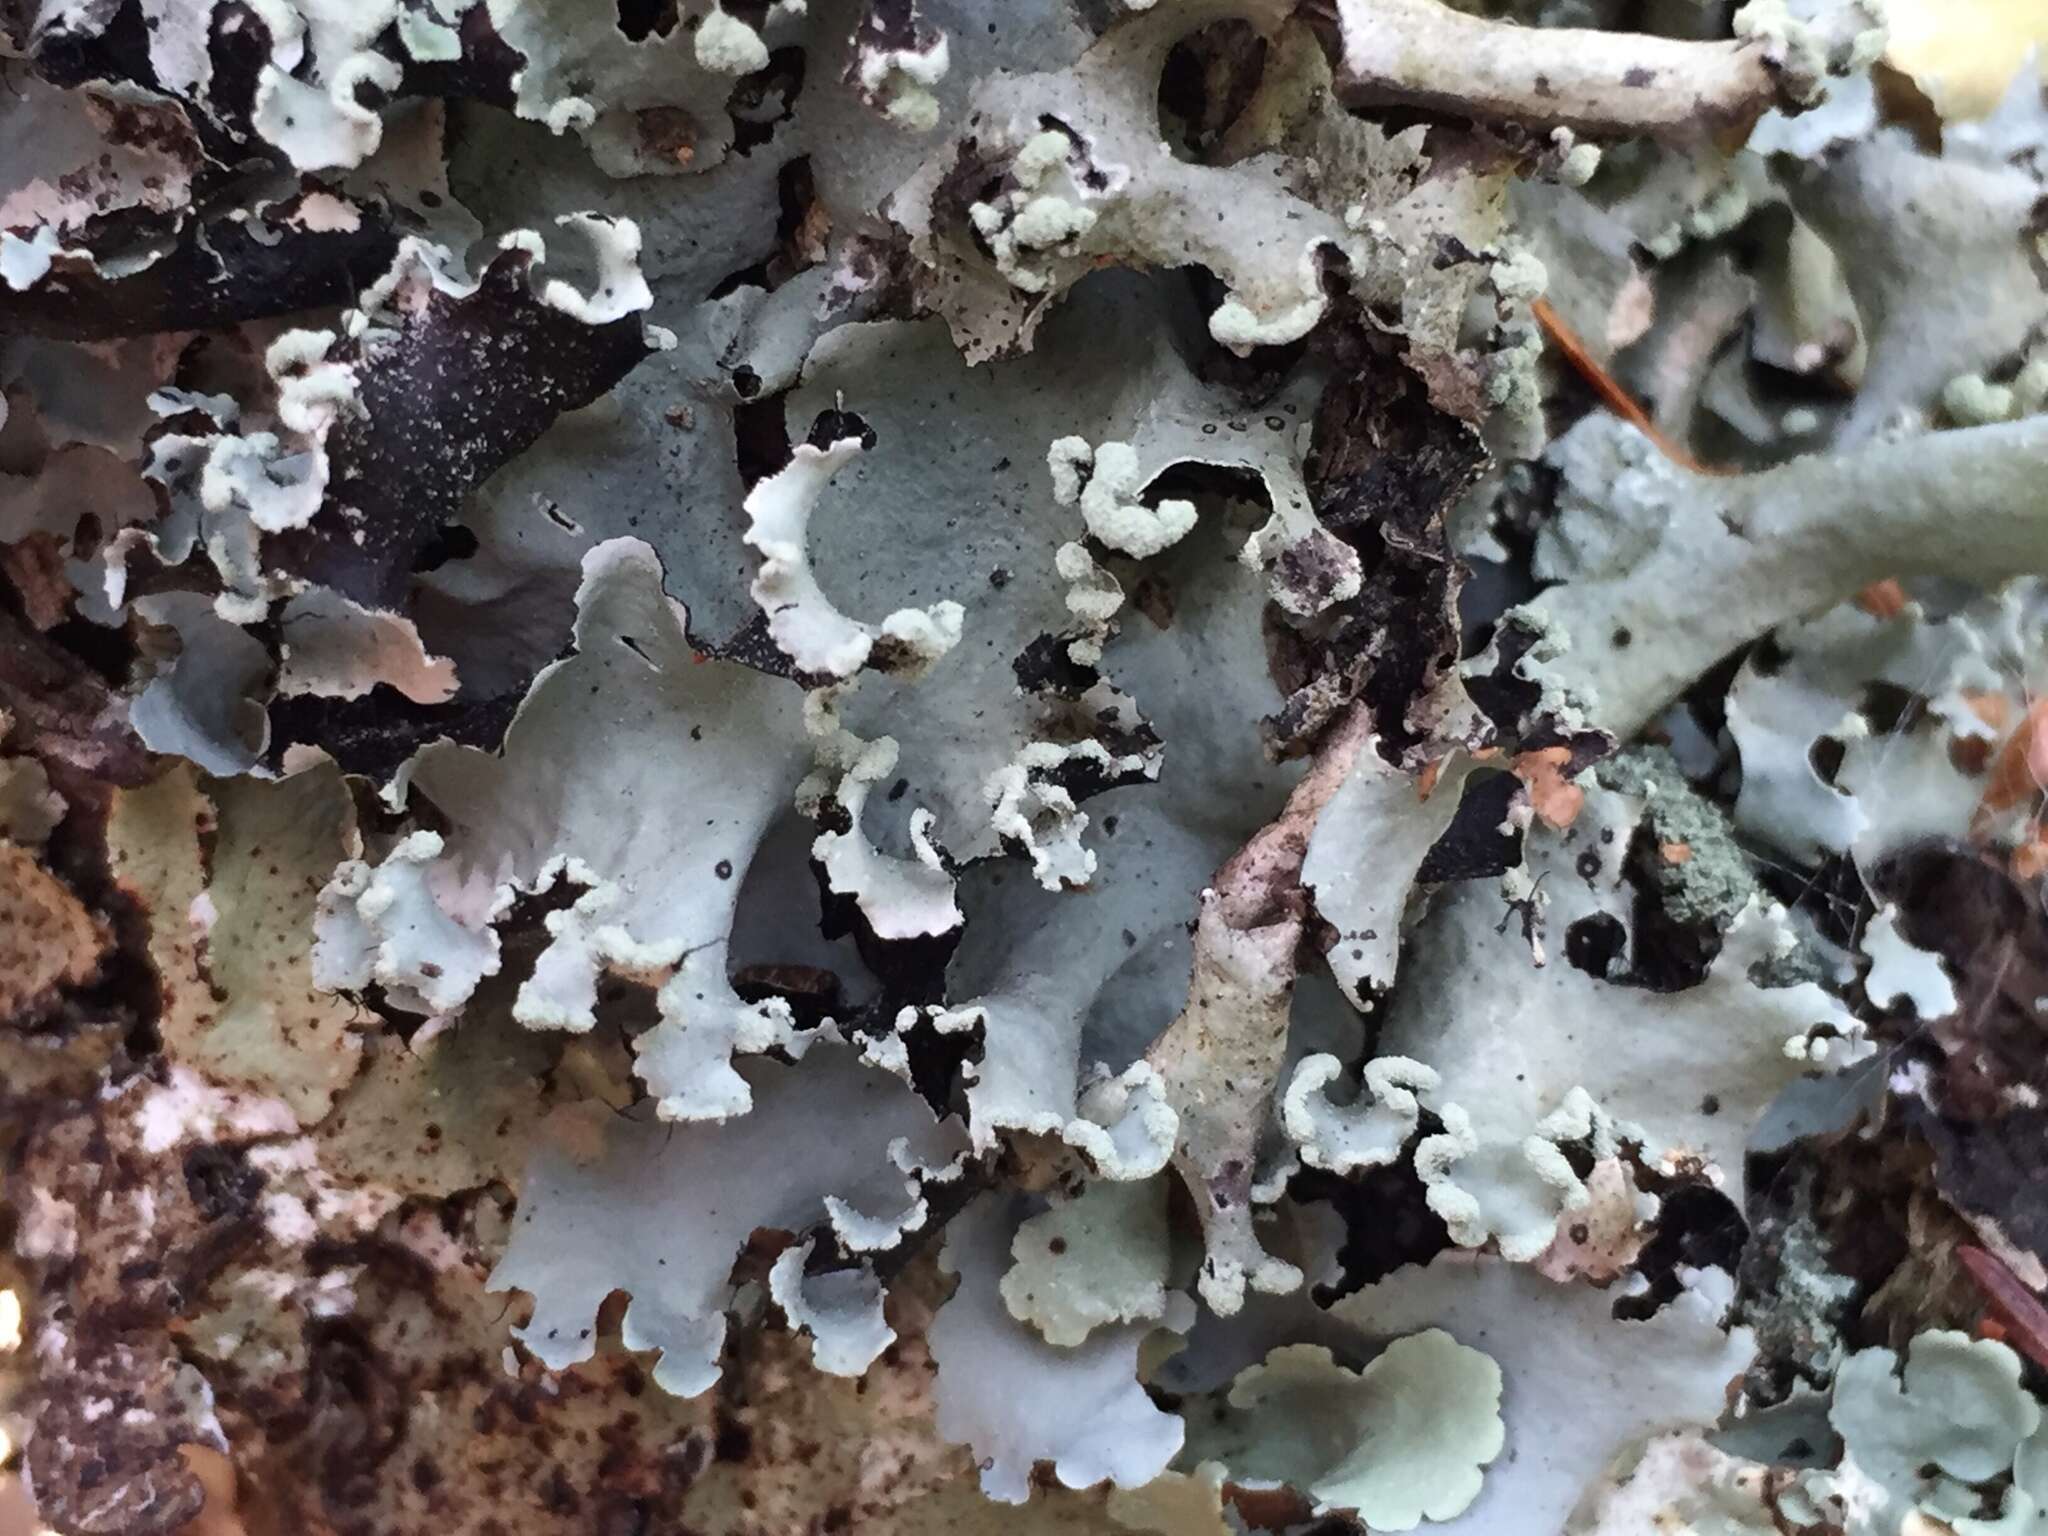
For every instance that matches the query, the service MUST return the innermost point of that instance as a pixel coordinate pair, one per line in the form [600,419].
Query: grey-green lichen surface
[1179,766]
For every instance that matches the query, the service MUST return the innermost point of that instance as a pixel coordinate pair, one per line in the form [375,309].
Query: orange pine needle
[1607,387]
[2030,859]
[1992,708]
[1882,599]
[2014,1310]
[1555,798]
[2020,770]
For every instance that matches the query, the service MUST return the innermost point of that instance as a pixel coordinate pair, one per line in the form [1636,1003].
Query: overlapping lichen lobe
[461,386]
[217,274]
[407,1414]
[483,71]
